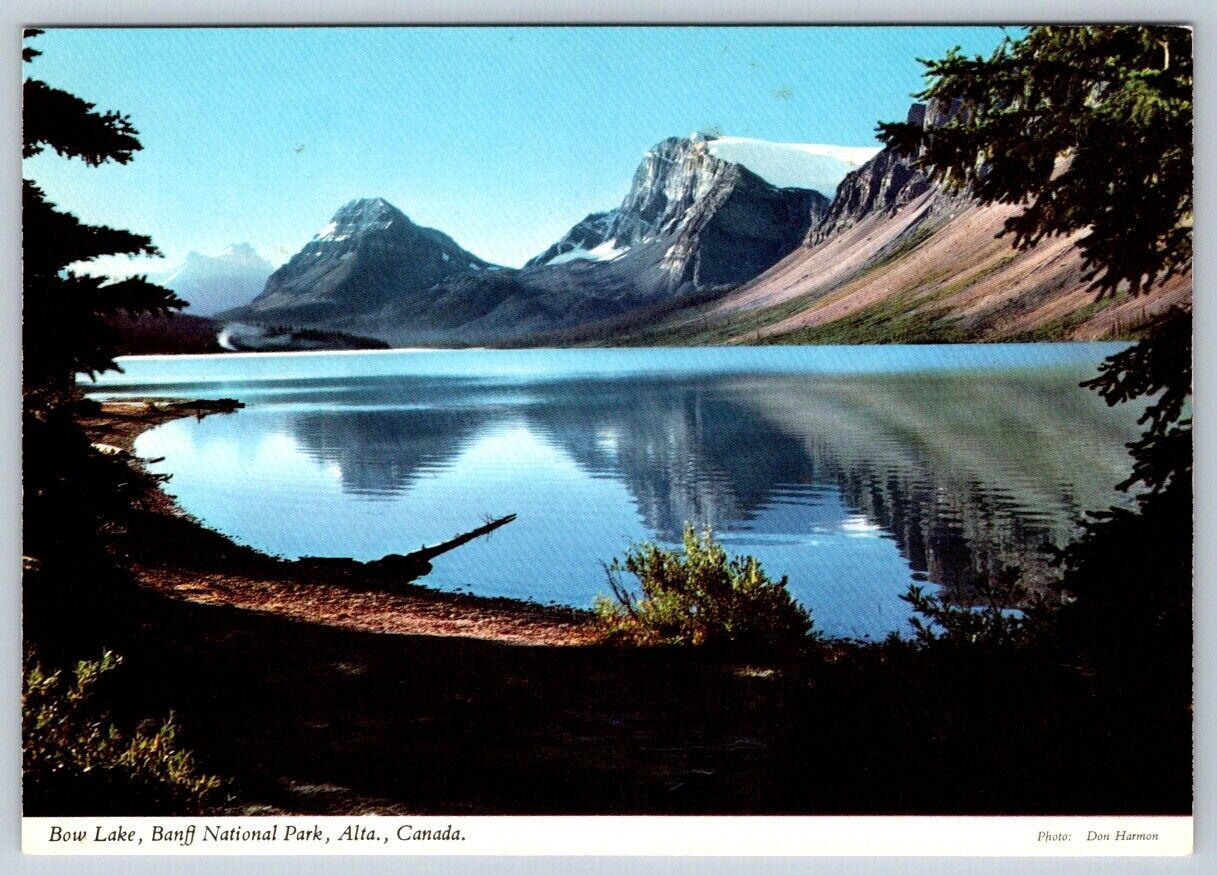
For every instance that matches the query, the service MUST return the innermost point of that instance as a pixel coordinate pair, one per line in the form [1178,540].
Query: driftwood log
[205,407]
[394,567]
[405,567]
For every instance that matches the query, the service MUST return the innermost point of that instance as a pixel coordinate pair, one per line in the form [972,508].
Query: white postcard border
[370,11]
[406,835]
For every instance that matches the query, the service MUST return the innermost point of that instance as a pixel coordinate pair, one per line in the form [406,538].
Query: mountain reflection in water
[853,485]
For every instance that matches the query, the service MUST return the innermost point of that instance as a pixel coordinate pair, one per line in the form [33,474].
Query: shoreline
[316,692]
[189,561]
[419,350]
[320,693]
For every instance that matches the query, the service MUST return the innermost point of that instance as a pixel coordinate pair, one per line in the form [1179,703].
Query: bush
[701,597]
[76,762]
[1005,614]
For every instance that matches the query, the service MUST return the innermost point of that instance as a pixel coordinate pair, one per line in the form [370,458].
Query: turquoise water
[853,471]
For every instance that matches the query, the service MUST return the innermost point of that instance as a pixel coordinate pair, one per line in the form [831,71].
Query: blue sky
[501,137]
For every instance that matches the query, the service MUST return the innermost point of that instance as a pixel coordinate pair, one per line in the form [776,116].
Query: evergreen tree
[64,311]
[1090,129]
[75,498]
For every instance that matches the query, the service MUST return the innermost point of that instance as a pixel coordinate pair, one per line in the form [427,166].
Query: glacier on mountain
[817,166]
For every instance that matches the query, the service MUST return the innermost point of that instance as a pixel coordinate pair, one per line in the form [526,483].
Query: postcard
[608,440]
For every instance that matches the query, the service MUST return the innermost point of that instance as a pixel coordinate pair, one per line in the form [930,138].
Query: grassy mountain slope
[929,270]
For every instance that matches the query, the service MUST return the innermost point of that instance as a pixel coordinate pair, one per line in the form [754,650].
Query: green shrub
[698,596]
[77,762]
[1004,613]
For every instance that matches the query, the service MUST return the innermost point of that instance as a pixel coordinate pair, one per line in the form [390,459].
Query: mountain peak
[816,166]
[690,220]
[368,205]
[362,216]
[369,256]
[370,208]
[237,254]
[245,255]
[241,250]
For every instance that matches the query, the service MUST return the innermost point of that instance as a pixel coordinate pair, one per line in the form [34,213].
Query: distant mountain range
[691,221]
[211,283]
[898,259]
[718,240]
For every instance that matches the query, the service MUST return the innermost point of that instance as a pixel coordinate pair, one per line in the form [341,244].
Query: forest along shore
[197,564]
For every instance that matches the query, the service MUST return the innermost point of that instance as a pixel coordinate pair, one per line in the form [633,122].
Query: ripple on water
[853,476]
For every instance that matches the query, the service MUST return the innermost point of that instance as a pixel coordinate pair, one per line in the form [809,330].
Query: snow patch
[606,251]
[818,166]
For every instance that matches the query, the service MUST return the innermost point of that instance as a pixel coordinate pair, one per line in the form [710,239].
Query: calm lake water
[854,471]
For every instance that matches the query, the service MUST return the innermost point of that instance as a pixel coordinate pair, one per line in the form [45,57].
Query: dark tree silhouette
[75,498]
[1090,129]
[64,311]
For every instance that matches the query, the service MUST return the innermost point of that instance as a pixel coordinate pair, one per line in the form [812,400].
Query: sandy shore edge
[197,564]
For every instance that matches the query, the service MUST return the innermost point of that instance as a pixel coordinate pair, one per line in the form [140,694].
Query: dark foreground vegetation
[1079,702]
[979,715]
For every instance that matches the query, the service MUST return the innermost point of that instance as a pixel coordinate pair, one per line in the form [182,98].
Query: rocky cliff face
[368,256]
[889,181]
[690,220]
[882,185]
[897,259]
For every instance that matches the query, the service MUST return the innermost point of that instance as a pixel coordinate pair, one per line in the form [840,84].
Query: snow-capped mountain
[368,256]
[696,217]
[211,283]
[589,240]
[692,219]
[900,258]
